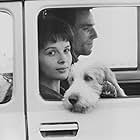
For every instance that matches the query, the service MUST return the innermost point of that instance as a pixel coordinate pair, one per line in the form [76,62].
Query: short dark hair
[51,29]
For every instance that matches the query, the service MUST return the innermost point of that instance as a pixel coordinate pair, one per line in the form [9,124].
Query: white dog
[86,82]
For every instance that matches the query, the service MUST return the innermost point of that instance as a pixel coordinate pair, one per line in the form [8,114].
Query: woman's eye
[67,50]
[51,53]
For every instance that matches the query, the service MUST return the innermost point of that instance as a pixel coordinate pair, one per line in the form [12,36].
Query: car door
[111,119]
[12,117]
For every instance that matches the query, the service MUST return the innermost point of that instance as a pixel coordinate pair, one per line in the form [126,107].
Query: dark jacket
[49,94]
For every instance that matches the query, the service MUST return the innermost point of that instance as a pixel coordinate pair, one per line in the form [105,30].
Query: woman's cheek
[47,62]
[70,59]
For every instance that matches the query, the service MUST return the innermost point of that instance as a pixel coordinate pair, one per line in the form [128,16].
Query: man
[82,23]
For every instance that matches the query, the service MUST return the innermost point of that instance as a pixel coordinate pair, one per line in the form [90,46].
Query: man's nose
[62,59]
[93,33]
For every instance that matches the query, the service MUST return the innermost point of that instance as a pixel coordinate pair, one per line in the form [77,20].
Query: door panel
[111,119]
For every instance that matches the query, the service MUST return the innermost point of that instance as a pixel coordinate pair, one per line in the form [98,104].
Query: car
[26,116]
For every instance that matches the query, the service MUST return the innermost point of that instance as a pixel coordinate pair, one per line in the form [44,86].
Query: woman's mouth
[62,70]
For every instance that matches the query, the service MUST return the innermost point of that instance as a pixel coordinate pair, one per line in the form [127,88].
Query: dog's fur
[86,82]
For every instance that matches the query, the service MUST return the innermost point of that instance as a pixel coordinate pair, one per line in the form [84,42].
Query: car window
[115,42]
[6,56]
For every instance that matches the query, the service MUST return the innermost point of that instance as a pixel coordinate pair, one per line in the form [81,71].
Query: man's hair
[52,29]
[66,14]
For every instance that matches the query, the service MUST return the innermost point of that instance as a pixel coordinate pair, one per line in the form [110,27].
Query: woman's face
[55,60]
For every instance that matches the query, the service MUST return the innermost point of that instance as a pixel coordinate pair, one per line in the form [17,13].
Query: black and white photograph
[70,70]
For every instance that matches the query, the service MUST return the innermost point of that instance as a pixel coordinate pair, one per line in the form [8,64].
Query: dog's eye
[72,79]
[87,78]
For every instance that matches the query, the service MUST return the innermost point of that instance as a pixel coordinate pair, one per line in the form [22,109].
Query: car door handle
[59,129]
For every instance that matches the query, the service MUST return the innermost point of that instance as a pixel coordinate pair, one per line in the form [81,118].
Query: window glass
[110,32]
[116,45]
[6,56]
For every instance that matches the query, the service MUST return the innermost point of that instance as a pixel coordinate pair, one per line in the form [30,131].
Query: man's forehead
[84,17]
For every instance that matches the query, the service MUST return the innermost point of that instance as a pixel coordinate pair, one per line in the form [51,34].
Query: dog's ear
[109,75]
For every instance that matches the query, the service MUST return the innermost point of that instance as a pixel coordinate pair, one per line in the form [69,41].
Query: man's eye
[85,28]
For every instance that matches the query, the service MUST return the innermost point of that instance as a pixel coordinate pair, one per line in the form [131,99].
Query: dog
[86,85]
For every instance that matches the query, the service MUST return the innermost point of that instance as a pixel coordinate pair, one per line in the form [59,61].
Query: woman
[55,39]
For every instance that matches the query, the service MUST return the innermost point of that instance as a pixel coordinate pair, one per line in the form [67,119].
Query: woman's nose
[62,59]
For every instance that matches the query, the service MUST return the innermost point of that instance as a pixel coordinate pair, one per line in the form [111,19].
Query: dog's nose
[73,99]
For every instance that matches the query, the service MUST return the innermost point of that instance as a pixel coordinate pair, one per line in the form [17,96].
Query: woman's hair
[52,29]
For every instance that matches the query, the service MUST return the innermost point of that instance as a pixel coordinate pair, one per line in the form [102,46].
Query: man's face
[84,33]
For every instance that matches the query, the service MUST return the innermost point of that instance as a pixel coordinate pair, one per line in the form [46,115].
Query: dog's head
[85,87]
